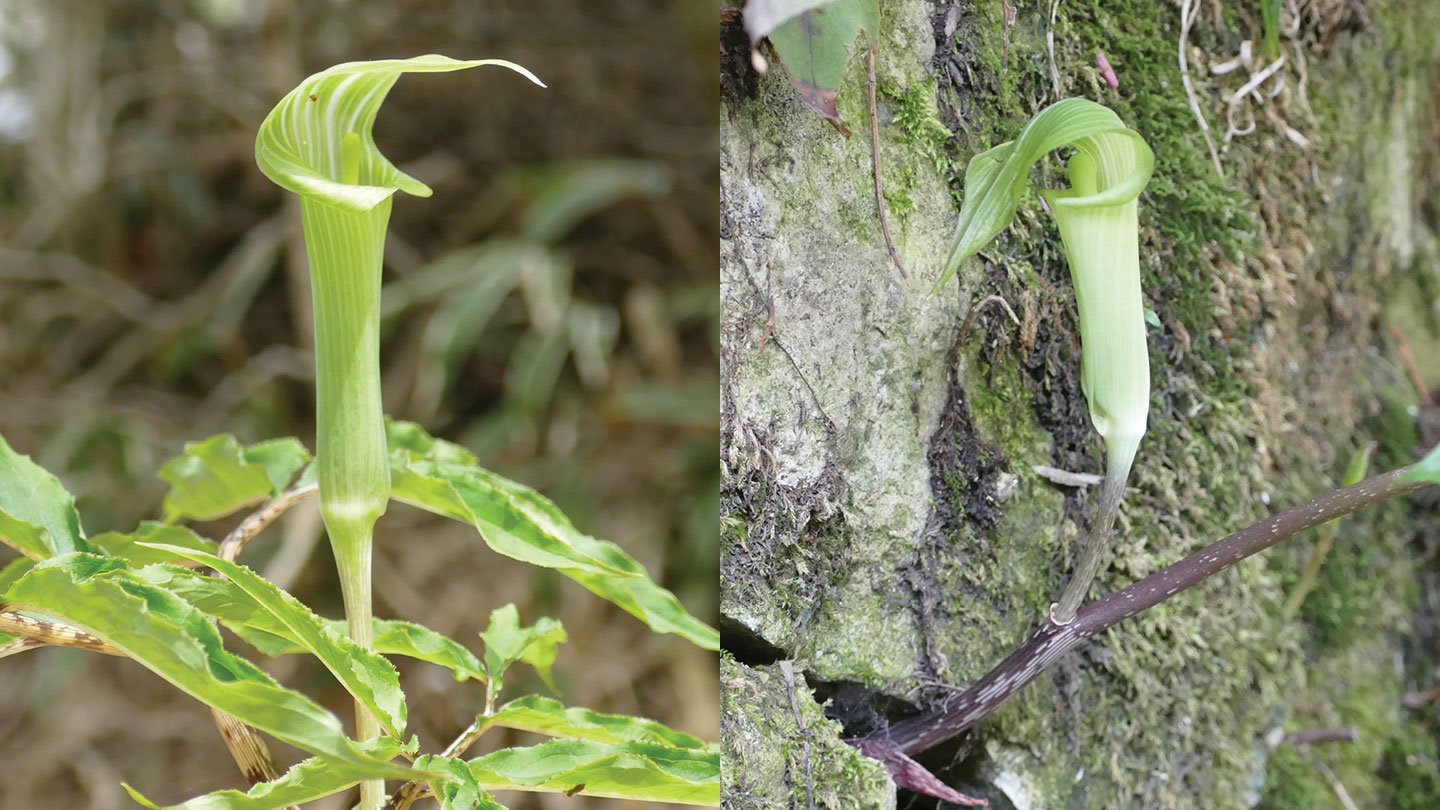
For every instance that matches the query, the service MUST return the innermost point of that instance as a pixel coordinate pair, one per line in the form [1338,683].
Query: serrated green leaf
[458,790]
[544,715]
[507,642]
[170,637]
[416,641]
[281,458]
[306,781]
[518,522]
[630,770]
[213,478]
[11,572]
[299,144]
[124,545]
[242,615]
[815,48]
[506,522]
[37,514]
[369,678]
[412,438]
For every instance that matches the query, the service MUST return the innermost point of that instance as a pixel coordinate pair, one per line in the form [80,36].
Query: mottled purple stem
[1050,642]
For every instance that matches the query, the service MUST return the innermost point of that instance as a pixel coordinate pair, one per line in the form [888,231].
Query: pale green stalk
[1099,229]
[317,142]
[1100,236]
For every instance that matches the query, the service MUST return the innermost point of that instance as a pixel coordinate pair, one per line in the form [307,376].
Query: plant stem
[1052,641]
[355,589]
[345,251]
[1111,493]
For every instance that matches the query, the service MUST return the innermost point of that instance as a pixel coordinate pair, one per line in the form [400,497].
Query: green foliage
[458,790]
[550,717]
[170,637]
[137,547]
[507,642]
[217,476]
[369,678]
[306,781]
[633,770]
[37,515]
[815,48]
[518,522]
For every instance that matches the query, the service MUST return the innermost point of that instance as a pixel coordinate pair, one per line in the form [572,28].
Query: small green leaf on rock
[815,48]
[1426,469]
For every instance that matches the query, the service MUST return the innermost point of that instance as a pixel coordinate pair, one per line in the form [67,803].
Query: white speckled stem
[1052,641]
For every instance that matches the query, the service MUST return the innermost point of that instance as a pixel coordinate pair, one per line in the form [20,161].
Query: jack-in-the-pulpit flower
[317,143]
[1099,229]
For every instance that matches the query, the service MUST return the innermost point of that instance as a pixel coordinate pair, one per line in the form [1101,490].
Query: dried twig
[1066,478]
[250,527]
[875,167]
[245,744]
[787,668]
[1188,9]
[1050,47]
[1319,735]
[47,632]
[1335,785]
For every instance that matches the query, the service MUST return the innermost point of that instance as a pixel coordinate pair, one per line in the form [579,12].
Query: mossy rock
[883,523]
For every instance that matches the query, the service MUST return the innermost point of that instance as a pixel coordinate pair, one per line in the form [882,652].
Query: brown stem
[1307,736]
[1052,641]
[251,526]
[875,168]
[38,632]
[244,743]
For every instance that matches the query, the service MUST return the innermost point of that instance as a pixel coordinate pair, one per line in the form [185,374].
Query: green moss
[1291,783]
[915,118]
[1412,775]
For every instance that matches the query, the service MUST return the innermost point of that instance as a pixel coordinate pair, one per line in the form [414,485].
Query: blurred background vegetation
[553,307]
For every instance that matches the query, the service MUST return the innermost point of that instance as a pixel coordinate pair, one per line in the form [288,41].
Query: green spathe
[1099,227]
[318,143]
[1100,233]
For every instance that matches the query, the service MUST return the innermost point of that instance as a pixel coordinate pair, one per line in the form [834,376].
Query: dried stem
[245,744]
[1321,735]
[1188,10]
[250,527]
[875,166]
[38,632]
[1052,641]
